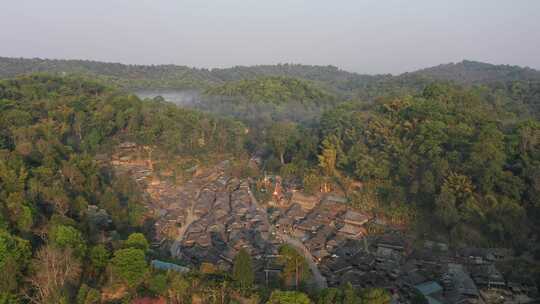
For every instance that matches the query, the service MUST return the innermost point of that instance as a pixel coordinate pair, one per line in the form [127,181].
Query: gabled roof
[392,241]
[354,217]
[461,280]
[352,230]
[306,201]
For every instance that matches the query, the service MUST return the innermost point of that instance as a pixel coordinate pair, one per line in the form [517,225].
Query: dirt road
[320,280]
[190,218]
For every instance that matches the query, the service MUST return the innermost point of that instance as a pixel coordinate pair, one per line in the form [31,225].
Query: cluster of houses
[208,219]
[441,275]
[321,223]
[226,218]
[338,240]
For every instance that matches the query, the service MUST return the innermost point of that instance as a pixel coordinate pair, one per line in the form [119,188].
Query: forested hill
[86,115]
[474,72]
[295,85]
[329,76]
[277,90]
[180,77]
[127,76]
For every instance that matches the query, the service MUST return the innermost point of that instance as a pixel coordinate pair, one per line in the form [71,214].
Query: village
[209,218]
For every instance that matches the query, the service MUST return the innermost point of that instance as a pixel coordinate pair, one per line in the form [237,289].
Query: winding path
[320,280]
[190,218]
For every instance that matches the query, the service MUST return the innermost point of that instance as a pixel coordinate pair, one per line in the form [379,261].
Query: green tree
[15,255]
[69,237]
[137,240]
[243,269]
[349,295]
[281,137]
[19,211]
[312,181]
[88,295]
[329,296]
[296,268]
[130,266]
[99,256]
[375,296]
[179,289]
[487,157]
[328,158]
[288,297]
[8,298]
[158,284]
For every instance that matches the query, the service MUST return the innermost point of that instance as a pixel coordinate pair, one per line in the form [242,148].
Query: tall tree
[328,158]
[243,269]
[130,266]
[281,137]
[296,268]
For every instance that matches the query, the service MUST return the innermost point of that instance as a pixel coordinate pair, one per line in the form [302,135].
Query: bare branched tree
[52,269]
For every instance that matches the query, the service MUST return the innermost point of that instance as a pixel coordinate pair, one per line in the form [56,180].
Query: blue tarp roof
[428,288]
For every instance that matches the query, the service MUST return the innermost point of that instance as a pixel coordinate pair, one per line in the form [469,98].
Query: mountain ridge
[287,64]
[170,76]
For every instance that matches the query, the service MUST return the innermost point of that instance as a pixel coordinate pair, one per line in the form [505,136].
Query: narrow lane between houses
[320,280]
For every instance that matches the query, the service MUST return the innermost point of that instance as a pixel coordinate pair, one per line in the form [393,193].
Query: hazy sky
[364,36]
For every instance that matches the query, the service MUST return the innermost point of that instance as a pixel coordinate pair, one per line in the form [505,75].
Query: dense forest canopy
[447,156]
[277,90]
[127,76]
[447,153]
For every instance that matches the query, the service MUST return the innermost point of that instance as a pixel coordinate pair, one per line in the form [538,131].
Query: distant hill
[473,72]
[330,78]
[123,75]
